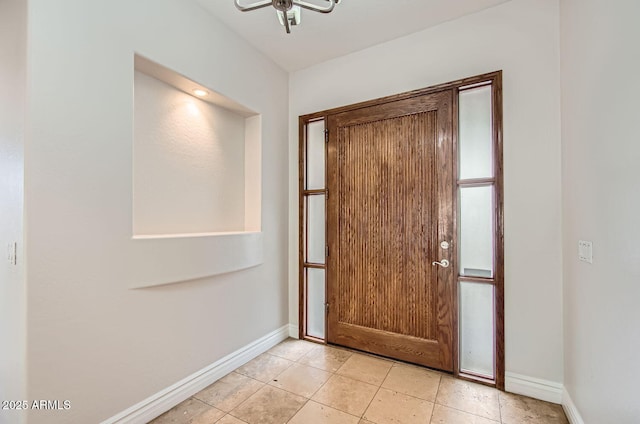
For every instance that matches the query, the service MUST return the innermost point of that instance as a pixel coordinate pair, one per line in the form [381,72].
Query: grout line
[318,368]
[322,385]
[247,399]
[228,414]
[327,406]
[376,394]
[407,394]
[299,409]
[334,407]
[435,399]
[369,404]
[288,391]
[469,413]
[331,374]
[499,408]
[362,381]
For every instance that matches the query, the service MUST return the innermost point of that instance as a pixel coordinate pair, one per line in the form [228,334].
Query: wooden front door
[390,205]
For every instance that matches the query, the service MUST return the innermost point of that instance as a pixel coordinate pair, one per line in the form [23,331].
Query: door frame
[495,79]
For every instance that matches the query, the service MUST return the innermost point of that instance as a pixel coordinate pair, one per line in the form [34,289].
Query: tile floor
[299,382]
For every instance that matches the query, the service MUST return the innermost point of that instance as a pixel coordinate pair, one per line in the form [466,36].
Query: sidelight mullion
[313,195]
[479,173]
[468,279]
[476,182]
[314,192]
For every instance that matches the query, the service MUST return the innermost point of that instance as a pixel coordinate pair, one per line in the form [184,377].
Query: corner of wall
[13,93]
[570,408]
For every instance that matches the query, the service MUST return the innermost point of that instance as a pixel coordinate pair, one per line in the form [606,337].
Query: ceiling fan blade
[253,6]
[316,8]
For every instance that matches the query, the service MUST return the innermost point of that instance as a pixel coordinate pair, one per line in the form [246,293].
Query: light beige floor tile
[292,349]
[315,413]
[326,358]
[301,380]
[346,394]
[445,415]
[389,407]
[413,381]
[269,405]
[365,422]
[230,419]
[265,367]
[469,397]
[517,409]
[191,411]
[365,368]
[229,392]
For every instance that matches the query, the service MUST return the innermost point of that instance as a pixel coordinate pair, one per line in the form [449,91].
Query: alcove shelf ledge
[187,235]
[162,260]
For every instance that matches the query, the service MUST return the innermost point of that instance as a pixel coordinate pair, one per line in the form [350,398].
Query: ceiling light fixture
[288,10]
[200,92]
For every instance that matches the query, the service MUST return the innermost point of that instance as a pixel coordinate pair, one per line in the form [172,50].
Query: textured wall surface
[188,163]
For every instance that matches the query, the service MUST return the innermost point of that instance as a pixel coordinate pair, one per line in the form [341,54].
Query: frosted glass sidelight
[315,155]
[315,229]
[475,135]
[476,328]
[476,231]
[315,302]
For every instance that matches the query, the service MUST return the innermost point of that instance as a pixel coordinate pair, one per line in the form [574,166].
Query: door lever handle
[443,263]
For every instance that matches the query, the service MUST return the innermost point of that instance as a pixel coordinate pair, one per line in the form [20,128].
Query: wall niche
[196,158]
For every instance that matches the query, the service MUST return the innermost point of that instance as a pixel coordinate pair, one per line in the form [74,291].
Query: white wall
[92,339]
[13,30]
[188,163]
[520,37]
[601,152]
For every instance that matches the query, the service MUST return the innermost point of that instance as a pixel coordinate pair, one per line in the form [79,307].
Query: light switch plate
[12,253]
[585,251]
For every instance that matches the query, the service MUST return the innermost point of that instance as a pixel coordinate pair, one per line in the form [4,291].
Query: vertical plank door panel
[391,184]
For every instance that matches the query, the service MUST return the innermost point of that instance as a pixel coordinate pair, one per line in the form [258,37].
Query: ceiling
[352,26]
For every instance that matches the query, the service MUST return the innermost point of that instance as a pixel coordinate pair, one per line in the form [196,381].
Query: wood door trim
[302,136]
[491,76]
[499,228]
[446,221]
[495,79]
[401,107]
[454,246]
[331,223]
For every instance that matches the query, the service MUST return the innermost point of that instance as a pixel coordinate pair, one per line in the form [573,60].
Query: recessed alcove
[196,158]
[196,180]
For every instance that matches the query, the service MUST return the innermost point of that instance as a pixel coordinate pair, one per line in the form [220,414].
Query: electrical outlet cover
[585,251]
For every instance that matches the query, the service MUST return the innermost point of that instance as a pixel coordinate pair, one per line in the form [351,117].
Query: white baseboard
[294,331]
[155,405]
[570,408]
[536,388]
